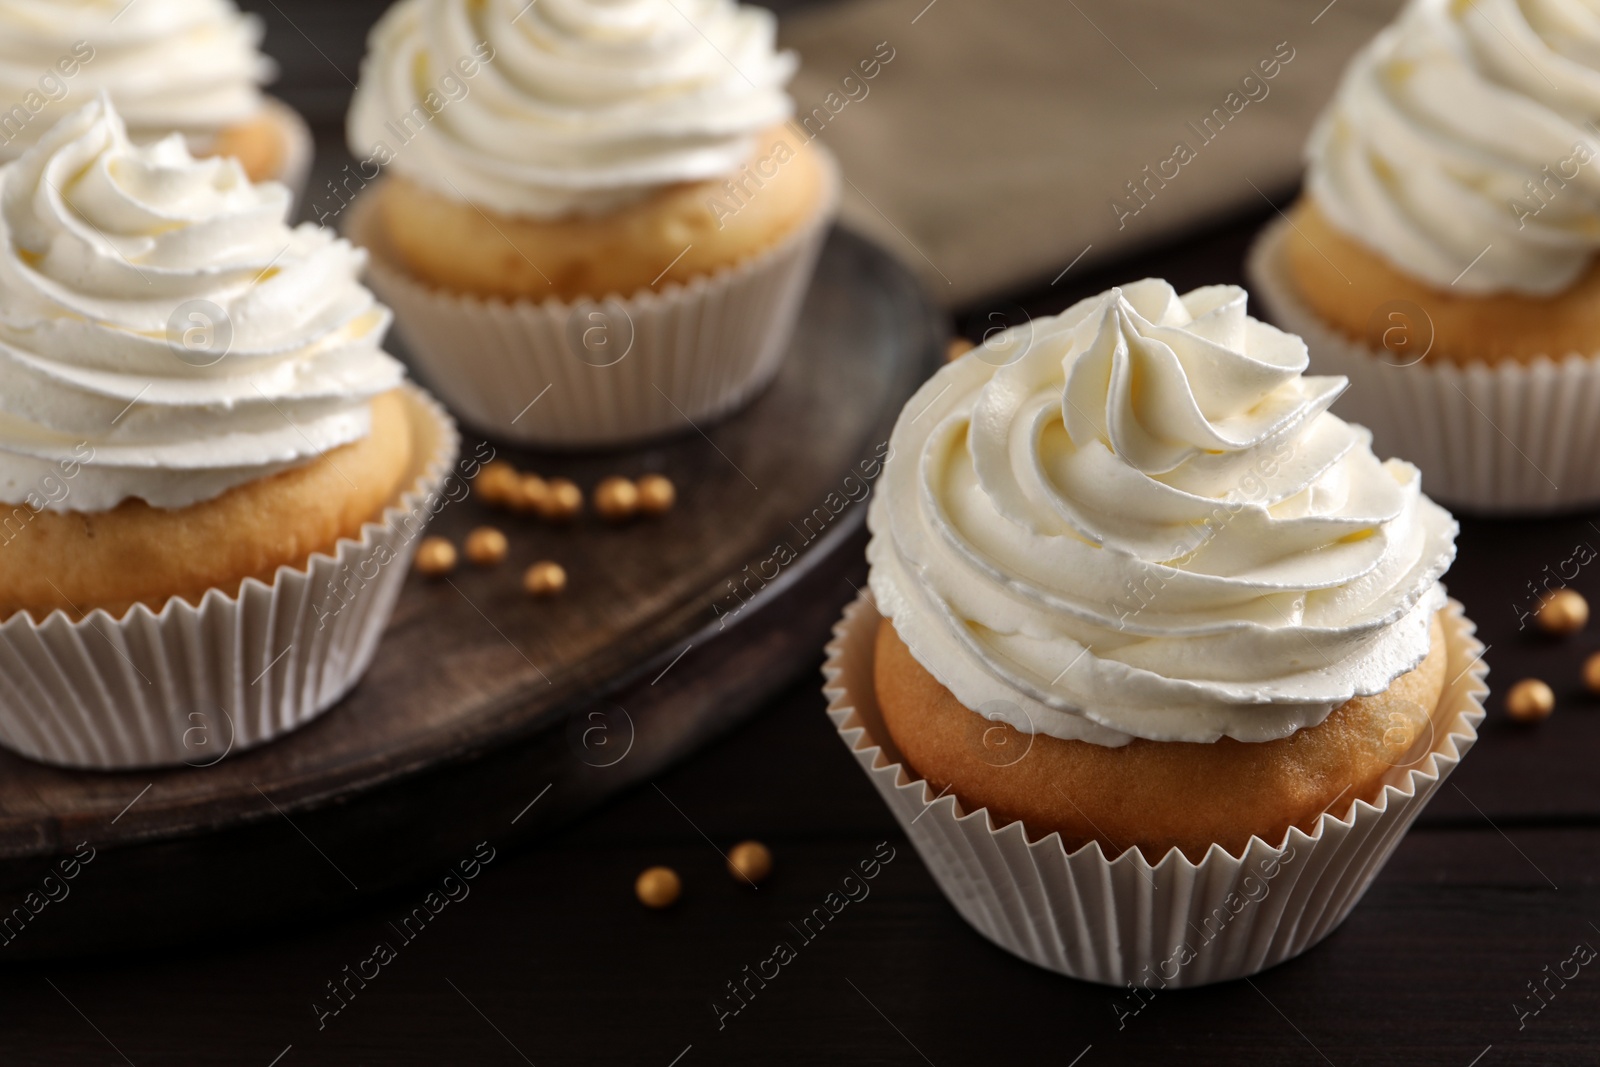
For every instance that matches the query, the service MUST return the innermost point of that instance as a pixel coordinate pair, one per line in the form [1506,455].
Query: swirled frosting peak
[567,106]
[1468,130]
[163,333]
[1138,519]
[188,66]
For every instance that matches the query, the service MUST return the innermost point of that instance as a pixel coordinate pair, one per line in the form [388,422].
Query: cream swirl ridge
[190,66]
[163,332]
[579,106]
[1146,523]
[1466,130]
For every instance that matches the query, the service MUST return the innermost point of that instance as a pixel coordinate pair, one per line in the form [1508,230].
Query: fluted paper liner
[684,355]
[1121,919]
[190,684]
[1508,438]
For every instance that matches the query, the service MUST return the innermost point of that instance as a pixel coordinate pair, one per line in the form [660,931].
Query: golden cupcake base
[195,682]
[1119,919]
[618,370]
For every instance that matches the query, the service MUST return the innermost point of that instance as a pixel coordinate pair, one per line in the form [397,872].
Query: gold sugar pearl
[959,347]
[1530,700]
[530,495]
[486,546]
[749,861]
[1563,612]
[544,579]
[616,499]
[436,557]
[656,494]
[497,483]
[1591,673]
[563,501]
[658,887]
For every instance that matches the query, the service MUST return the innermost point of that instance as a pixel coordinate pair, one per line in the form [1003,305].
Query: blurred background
[1001,142]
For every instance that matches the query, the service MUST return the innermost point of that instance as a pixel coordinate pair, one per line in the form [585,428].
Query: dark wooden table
[548,959]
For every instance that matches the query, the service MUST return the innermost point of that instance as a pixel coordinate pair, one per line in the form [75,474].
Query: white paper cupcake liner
[1118,920]
[617,370]
[1507,438]
[189,685]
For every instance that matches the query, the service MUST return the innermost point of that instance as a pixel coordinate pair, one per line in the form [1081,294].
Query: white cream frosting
[578,105]
[1138,519]
[1441,123]
[189,66]
[103,247]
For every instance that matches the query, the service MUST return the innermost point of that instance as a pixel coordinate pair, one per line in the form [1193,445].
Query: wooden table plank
[552,948]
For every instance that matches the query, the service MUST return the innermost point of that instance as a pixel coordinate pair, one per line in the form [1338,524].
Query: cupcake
[1155,634]
[606,200]
[211,472]
[170,66]
[1443,255]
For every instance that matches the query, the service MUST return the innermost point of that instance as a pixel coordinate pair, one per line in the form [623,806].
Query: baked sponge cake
[1159,794]
[612,197]
[195,393]
[192,67]
[1442,256]
[1140,587]
[212,477]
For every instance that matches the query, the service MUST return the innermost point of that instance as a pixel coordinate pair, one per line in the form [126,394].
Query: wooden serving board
[491,716]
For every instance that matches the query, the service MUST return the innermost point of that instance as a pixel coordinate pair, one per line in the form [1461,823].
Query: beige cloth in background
[987,152]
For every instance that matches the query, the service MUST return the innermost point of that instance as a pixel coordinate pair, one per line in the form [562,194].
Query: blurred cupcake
[1160,628]
[170,66]
[601,199]
[1443,256]
[211,472]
